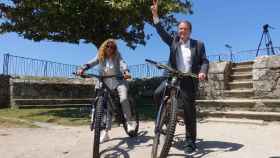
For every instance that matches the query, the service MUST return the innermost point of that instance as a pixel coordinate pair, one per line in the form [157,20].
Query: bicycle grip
[151,61]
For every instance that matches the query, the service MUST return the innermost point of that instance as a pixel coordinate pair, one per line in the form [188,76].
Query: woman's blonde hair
[103,47]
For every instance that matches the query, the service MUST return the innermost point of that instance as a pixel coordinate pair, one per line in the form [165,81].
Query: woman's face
[110,49]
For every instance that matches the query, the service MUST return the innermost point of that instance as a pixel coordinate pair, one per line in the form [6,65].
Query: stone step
[248,84]
[241,76]
[243,63]
[243,93]
[233,120]
[272,105]
[266,116]
[241,69]
[52,105]
[51,102]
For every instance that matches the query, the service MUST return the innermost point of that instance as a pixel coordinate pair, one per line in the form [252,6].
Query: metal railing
[241,56]
[144,71]
[21,66]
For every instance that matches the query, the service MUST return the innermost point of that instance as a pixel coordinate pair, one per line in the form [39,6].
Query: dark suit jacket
[200,62]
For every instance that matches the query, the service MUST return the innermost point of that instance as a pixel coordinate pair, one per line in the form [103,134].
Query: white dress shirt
[183,57]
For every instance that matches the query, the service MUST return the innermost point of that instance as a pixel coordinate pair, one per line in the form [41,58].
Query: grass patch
[12,123]
[74,116]
[63,116]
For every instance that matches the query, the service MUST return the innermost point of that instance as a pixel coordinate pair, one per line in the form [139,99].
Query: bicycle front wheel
[165,129]
[98,126]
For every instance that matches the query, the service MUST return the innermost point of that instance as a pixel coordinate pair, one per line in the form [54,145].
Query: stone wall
[266,84]
[144,87]
[67,88]
[4,91]
[266,77]
[45,91]
[218,76]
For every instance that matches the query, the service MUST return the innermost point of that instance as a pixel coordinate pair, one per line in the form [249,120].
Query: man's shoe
[190,148]
[131,125]
[104,136]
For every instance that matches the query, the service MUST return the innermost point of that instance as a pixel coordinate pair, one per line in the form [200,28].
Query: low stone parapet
[50,92]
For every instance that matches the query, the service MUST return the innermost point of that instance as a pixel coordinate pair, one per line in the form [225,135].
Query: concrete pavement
[217,138]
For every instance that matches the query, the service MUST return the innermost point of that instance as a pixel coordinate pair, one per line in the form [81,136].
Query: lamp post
[230,51]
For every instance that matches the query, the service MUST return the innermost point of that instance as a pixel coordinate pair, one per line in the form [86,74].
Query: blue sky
[216,22]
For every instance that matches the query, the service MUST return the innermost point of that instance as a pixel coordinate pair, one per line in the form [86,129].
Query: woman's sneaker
[104,136]
[131,125]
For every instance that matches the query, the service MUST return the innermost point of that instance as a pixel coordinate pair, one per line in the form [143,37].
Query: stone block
[264,86]
[267,62]
[218,67]
[262,74]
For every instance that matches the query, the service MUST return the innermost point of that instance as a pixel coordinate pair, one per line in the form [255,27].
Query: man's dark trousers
[187,85]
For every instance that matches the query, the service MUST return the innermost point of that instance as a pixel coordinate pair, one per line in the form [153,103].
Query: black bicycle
[169,112]
[105,105]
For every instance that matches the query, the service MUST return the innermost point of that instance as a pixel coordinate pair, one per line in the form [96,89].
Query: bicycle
[104,105]
[168,112]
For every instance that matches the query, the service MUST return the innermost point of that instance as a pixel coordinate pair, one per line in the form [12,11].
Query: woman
[111,63]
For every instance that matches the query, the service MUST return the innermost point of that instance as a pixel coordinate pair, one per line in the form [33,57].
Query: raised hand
[154,8]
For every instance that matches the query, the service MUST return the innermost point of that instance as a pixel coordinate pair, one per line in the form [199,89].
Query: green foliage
[90,21]
[144,87]
[62,116]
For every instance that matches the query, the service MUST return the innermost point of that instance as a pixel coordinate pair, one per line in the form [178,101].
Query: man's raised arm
[165,36]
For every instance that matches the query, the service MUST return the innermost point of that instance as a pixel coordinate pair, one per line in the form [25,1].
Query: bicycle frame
[102,90]
[171,93]
[108,95]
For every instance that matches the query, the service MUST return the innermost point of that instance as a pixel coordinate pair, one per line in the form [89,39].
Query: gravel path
[218,138]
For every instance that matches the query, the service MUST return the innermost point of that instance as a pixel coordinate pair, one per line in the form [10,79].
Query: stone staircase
[239,101]
[241,82]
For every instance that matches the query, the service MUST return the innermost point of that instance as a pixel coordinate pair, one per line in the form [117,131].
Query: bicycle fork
[159,114]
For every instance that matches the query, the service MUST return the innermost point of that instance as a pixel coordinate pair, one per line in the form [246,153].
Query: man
[186,55]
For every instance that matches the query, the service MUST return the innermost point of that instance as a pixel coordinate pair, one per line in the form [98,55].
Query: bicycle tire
[170,130]
[97,126]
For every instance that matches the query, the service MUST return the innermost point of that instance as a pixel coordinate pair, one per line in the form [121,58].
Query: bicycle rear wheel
[98,126]
[165,128]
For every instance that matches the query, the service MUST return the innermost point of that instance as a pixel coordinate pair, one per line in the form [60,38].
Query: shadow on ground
[205,147]
[118,151]
[66,112]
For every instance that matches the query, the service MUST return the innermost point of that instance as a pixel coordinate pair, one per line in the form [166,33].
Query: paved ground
[217,139]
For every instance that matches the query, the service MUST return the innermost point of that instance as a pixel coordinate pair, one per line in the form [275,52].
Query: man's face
[184,31]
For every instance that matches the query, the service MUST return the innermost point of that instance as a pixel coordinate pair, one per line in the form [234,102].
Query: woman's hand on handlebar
[126,75]
[80,71]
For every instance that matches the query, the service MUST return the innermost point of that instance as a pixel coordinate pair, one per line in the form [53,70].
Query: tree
[90,21]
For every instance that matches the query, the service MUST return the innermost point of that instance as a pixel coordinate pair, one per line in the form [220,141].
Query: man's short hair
[186,22]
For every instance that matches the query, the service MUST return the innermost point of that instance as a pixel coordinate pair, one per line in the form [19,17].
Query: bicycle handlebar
[96,76]
[171,70]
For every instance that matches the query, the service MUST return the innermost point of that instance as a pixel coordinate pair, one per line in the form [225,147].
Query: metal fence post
[6,64]
[46,69]
[148,71]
